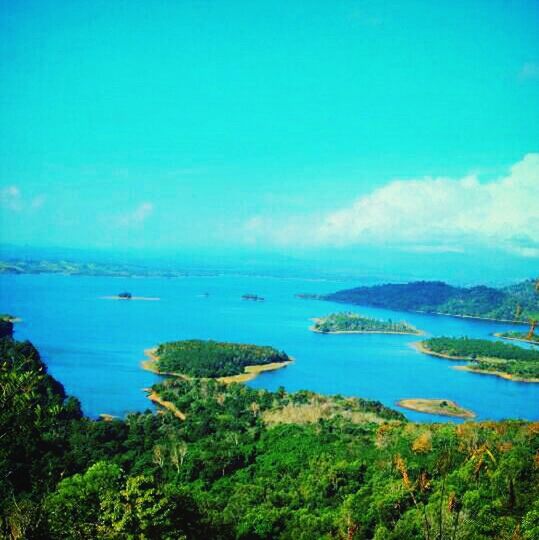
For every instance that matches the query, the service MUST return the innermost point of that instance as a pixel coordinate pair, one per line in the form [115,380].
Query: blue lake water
[94,346]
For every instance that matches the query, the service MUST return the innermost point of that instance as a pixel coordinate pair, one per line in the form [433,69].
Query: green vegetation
[488,356]
[6,325]
[354,323]
[514,303]
[199,358]
[253,464]
[519,336]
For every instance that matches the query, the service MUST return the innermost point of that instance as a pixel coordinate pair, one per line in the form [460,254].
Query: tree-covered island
[353,323]
[488,357]
[213,359]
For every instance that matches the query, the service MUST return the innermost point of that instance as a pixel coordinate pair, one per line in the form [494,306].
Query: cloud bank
[426,214]
[12,198]
[135,217]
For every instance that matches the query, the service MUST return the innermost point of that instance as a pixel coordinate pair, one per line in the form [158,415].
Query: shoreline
[249,372]
[524,340]
[155,398]
[501,374]
[105,417]
[429,406]
[149,365]
[418,346]
[510,321]
[316,331]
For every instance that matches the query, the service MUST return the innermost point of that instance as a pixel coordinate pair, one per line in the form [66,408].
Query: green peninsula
[519,336]
[353,323]
[197,358]
[487,357]
[515,303]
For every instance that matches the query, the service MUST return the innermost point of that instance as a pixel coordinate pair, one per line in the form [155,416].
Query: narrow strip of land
[154,396]
[486,357]
[501,374]
[521,338]
[442,407]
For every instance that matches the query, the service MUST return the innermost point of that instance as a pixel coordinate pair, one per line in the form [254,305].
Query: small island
[128,296]
[519,336]
[486,357]
[353,323]
[442,407]
[227,362]
[253,297]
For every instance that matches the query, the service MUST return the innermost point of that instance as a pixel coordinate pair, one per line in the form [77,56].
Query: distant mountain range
[516,303]
[83,269]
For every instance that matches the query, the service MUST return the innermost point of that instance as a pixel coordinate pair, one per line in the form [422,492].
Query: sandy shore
[524,340]
[433,406]
[155,398]
[507,376]
[150,365]
[107,417]
[501,374]
[316,331]
[418,346]
[249,373]
[143,298]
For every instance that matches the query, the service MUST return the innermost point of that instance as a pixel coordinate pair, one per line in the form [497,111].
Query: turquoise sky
[182,124]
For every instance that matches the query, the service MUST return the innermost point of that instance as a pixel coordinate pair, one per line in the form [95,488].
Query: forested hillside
[514,303]
[252,464]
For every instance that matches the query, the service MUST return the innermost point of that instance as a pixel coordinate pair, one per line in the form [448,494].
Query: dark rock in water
[253,297]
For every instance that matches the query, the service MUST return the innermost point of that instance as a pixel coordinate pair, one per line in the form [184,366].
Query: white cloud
[428,214]
[137,216]
[12,198]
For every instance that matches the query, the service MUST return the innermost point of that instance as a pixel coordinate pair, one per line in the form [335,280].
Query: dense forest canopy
[206,358]
[253,464]
[516,303]
[489,355]
[353,322]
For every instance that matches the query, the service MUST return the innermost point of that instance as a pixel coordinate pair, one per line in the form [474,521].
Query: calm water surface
[94,346]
